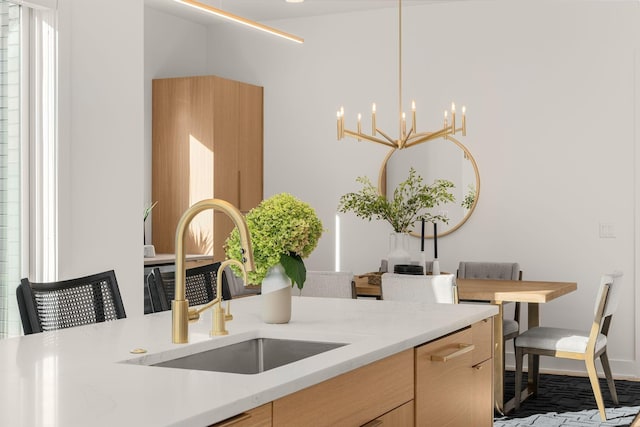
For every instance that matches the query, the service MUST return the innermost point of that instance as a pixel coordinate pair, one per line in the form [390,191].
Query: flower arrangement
[410,200]
[284,230]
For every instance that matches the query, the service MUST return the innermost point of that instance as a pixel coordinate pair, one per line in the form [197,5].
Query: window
[10,170]
[27,150]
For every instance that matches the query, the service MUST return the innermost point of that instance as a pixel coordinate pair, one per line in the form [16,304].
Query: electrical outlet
[607,230]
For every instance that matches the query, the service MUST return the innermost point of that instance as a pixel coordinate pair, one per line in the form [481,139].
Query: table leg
[498,359]
[533,360]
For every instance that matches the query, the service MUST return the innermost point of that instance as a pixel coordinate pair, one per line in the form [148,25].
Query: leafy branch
[411,198]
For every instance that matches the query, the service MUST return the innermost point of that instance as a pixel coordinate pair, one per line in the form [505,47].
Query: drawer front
[482,333]
[483,393]
[256,417]
[444,378]
[399,417]
[351,399]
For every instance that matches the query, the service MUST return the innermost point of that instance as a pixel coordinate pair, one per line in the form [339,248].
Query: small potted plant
[284,230]
[149,250]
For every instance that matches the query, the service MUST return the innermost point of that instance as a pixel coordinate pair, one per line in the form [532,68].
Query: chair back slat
[614,280]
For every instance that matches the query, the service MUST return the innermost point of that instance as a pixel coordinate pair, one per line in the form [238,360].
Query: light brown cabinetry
[257,417]
[352,399]
[207,143]
[402,416]
[454,379]
[446,382]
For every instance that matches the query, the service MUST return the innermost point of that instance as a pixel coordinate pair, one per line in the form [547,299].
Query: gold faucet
[180,305]
[219,315]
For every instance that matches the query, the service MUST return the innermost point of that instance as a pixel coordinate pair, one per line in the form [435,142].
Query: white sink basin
[251,356]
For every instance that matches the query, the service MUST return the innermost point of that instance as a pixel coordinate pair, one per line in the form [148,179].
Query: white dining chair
[585,345]
[420,288]
[328,284]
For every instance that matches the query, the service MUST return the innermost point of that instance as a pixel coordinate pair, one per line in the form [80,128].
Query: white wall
[552,103]
[101,120]
[173,47]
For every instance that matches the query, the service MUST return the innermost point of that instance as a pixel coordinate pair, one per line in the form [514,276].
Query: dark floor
[568,401]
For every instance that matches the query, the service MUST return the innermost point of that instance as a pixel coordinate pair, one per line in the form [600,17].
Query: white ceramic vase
[398,250]
[276,296]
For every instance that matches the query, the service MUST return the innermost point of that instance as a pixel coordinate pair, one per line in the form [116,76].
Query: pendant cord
[400,66]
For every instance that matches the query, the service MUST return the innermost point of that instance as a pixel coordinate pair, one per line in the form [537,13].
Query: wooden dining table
[532,293]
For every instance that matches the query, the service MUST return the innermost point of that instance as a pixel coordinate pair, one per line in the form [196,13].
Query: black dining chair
[200,284]
[67,303]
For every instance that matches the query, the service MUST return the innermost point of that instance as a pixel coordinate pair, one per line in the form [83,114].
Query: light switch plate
[607,230]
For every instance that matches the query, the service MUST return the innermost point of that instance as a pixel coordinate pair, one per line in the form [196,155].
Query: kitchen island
[88,376]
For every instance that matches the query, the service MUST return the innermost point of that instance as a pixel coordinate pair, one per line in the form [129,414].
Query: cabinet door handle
[234,420]
[374,423]
[459,351]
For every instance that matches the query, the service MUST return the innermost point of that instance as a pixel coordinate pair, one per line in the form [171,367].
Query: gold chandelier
[412,137]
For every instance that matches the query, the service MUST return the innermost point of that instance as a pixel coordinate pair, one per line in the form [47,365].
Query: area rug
[568,401]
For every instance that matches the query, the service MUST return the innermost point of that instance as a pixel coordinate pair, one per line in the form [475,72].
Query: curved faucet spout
[180,305]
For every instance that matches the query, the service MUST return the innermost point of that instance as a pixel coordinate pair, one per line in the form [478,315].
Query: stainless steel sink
[250,357]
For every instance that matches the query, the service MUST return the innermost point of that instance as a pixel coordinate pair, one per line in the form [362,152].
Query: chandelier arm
[368,138]
[424,138]
[392,141]
[403,142]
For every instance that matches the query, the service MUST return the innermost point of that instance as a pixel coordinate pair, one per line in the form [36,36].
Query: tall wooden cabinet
[207,143]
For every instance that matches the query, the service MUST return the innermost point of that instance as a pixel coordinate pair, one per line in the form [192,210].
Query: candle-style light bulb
[453,117]
[464,121]
[446,122]
[413,116]
[404,123]
[373,119]
[359,126]
[338,123]
[341,122]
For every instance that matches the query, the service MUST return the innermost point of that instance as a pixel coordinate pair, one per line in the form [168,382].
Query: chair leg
[607,372]
[518,380]
[595,385]
[535,373]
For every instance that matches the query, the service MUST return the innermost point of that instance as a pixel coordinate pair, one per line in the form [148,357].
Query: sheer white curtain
[43,146]
[28,159]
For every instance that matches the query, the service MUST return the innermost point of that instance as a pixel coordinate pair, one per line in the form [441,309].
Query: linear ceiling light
[240,20]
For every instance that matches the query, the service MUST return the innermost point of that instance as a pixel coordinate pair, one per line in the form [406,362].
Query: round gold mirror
[437,159]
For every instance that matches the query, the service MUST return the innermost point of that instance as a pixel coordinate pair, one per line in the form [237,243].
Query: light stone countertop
[76,377]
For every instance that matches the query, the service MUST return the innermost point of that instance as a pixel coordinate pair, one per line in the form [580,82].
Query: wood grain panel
[351,399]
[399,417]
[225,141]
[170,174]
[257,417]
[482,395]
[443,389]
[482,335]
[207,142]
[250,151]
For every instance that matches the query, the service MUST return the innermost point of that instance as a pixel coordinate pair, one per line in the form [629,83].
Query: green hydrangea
[283,231]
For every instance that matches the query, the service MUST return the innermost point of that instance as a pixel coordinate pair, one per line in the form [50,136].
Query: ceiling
[268,10]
